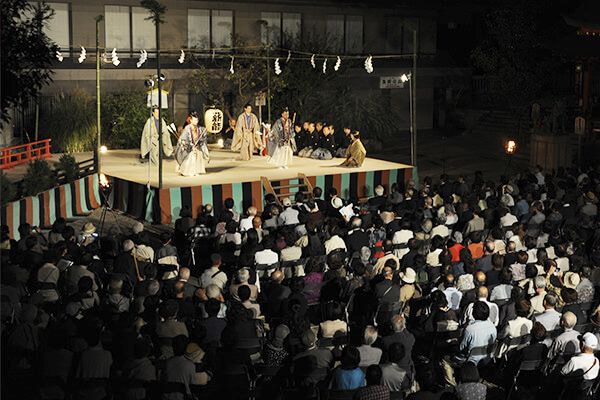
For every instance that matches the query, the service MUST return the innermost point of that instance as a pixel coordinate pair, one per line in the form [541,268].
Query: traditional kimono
[355,155]
[151,128]
[191,152]
[246,136]
[283,138]
[311,142]
[326,148]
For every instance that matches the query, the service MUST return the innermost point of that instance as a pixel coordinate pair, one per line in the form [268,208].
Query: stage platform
[223,168]
[225,177]
[241,180]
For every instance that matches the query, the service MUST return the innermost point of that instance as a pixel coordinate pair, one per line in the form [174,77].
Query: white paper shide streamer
[277,67]
[59,56]
[369,64]
[231,67]
[114,58]
[312,61]
[338,63]
[181,57]
[325,66]
[288,57]
[143,58]
[81,55]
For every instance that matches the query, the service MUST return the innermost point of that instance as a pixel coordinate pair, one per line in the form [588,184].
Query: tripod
[106,208]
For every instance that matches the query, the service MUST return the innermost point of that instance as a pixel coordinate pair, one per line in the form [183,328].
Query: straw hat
[571,280]
[88,229]
[408,276]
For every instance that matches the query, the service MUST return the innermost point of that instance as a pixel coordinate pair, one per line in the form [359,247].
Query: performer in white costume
[283,136]
[192,153]
[150,133]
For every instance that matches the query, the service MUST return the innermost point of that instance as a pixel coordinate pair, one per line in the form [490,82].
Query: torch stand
[105,191]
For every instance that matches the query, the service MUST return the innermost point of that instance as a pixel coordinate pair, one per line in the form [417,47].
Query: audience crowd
[466,289]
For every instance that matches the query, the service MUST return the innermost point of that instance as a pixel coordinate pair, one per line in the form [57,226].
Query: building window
[143,31]
[58,27]
[117,28]
[209,28]
[281,28]
[353,34]
[221,27]
[345,33]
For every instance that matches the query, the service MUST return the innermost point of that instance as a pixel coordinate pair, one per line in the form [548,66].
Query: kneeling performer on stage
[283,136]
[150,134]
[356,153]
[191,152]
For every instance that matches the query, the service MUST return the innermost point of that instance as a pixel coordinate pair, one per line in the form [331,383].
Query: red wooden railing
[24,153]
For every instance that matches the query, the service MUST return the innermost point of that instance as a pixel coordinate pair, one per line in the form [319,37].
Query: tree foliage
[512,52]
[68,165]
[157,11]
[7,189]
[252,75]
[27,53]
[123,117]
[38,178]
[70,121]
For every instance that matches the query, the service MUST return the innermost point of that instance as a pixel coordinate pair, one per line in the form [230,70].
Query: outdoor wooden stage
[225,177]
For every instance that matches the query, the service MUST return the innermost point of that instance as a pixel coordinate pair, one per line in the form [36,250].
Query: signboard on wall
[391,82]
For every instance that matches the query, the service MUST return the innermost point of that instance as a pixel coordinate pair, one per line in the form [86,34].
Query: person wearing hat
[192,153]
[590,207]
[289,216]
[356,153]
[408,289]
[281,143]
[195,354]
[246,136]
[585,361]
[87,235]
[149,142]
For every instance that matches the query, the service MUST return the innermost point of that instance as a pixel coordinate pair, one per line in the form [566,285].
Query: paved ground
[456,155]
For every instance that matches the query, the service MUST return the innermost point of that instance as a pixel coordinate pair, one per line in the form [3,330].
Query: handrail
[23,153]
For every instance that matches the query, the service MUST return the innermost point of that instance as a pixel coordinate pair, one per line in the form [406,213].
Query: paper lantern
[213,120]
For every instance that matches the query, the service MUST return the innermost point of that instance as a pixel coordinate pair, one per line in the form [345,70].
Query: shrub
[70,121]
[7,189]
[69,166]
[123,117]
[38,178]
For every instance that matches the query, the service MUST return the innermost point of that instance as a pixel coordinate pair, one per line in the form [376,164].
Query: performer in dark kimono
[326,148]
[192,153]
[283,137]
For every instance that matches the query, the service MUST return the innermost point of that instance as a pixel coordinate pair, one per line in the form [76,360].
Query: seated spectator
[369,355]
[374,389]
[393,376]
[243,275]
[348,375]
[244,296]
[469,386]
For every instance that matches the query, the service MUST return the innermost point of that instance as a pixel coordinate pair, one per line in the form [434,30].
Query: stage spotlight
[103,149]
[162,77]
[149,83]
[511,146]
[220,142]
